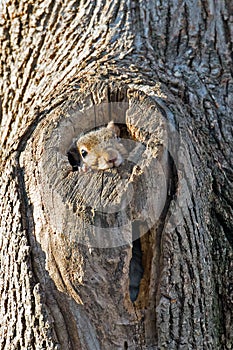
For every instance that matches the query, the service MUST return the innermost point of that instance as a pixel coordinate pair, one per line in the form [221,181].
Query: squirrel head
[101,149]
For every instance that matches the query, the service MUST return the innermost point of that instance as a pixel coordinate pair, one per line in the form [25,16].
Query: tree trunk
[137,257]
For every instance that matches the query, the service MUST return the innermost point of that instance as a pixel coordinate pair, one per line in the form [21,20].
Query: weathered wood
[139,257]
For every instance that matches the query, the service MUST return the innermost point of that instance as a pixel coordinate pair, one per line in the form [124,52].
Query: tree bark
[138,257]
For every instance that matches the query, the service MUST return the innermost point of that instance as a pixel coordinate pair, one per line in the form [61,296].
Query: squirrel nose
[109,159]
[113,160]
[111,156]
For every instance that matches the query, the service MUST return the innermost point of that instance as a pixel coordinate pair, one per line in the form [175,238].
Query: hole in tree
[140,264]
[125,345]
[135,268]
[73,157]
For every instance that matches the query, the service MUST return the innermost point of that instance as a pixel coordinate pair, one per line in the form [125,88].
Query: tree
[163,280]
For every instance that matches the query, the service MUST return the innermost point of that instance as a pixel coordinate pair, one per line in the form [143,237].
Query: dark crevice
[74,157]
[135,268]
[168,21]
[142,249]
[223,222]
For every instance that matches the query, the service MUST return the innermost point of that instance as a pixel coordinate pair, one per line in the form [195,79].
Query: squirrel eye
[83,153]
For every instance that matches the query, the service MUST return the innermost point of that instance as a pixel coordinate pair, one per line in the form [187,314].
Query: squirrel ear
[114,128]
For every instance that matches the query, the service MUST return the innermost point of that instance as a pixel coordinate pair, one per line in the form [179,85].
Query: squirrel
[98,150]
